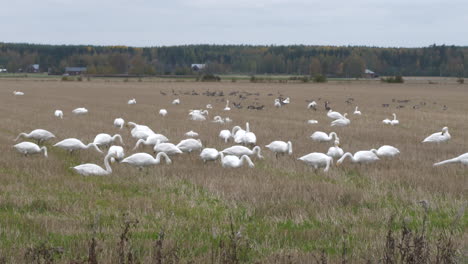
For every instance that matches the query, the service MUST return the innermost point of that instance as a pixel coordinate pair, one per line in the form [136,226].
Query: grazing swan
[168,148]
[151,140]
[72,144]
[317,160]
[280,147]
[90,169]
[141,160]
[311,122]
[58,113]
[119,122]
[356,111]
[277,103]
[104,139]
[198,111]
[218,119]
[163,112]
[386,151]
[341,122]
[197,116]
[286,101]
[387,121]
[249,137]
[176,101]
[322,136]
[238,134]
[335,151]
[209,154]
[231,161]
[18,93]
[438,137]
[140,131]
[191,133]
[241,150]
[227,120]
[209,106]
[463,159]
[394,122]
[116,152]
[227,108]
[131,101]
[40,135]
[225,134]
[30,148]
[334,115]
[312,105]
[189,145]
[80,111]
[363,156]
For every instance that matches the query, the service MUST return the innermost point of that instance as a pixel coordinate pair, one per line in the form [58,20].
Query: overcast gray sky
[395,23]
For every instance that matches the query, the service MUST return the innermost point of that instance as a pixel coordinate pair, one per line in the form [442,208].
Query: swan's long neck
[234,130]
[221,157]
[119,137]
[106,163]
[138,143]
[257,150]
[158,158]
[22,135]
[94,146]
[247,127]
[329,162]
[356,109]
[332,134]
[205,112]
[289,148]
[246,158]
[132,124]
[454,160]
[374,151]
[227,103]
[347,154]
[394,116]
[44,149]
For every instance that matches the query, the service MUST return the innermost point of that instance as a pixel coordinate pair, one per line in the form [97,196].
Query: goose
[438,137]
[335,151]
[286,101]
[119,122]
[227,108]
[140,131]
[189,145]
[231,161]
[104,139]
[280,147]
[90,169]
[209,154]
[72,144]
[209,106]
[341,122]
[463,159]
[218,119]
[394,122]
[225,134]
[317,160]
[80,111]
[30,148]
[163,112]
[322,136]
[18,93]
[168,148]
[40,135]
[191,133]
[117,153]
[176,101]
[356,111]
[311,122]
[277,103]
[312,105]
[334,115]
[141,160]
[131,101]
[363,156]
[151,140]
[241,150]
[386,151]
[58,113]
[249,137]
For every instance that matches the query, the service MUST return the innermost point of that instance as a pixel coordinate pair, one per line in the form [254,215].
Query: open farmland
[281,207]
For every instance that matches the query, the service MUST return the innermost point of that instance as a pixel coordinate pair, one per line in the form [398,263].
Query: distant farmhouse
[75,70]
[370,74]
[197,67]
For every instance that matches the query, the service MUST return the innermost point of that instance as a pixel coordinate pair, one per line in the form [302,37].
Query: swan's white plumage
[28,148]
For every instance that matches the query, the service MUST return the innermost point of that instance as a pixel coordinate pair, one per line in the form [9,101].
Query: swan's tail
[454,160]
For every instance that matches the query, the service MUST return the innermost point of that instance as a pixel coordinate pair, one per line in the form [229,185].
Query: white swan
[140,131]
[438,137]
[286,101]
[218,119]
[277,103]
[191,133]
[168,148]
[72,144]
[280,147]
[27,148]
[90,169]
[209,106]
[357,112]
[227,108]
[394,122]
[141,160]
[341,122]
[80,111]
[335,151]
[312,105]
[116,152]
[40,135]
[334,115]
[363,156]
[189,145]
[227,120]
[225,134]
[322,136]
[317,160]
[249,137]
[387,121]
[241,150]
[209,154]
[163,112]
[176,101]
[198,111]
[58,113]
[386,151]
[131,101]
[18,93]
[463,159]
[119,122]
[238,134]
[312,122]
[151,140]
[104,139]
[197,117]
[231,161]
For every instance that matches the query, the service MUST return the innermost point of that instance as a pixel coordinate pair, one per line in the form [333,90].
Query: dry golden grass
[280,206]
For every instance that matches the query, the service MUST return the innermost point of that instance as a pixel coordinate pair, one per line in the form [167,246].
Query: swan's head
[444,130]
[345,114]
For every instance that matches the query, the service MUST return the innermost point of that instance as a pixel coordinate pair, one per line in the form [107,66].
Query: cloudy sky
[395,23]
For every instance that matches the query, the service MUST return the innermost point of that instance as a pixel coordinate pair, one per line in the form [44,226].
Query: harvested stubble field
[279,210]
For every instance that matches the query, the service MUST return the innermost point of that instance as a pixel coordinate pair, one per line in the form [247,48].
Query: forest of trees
[334,61]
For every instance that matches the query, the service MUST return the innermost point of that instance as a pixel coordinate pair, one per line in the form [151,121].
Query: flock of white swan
[232,157]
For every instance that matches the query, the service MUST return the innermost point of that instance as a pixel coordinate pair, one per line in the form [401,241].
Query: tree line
[333,61]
